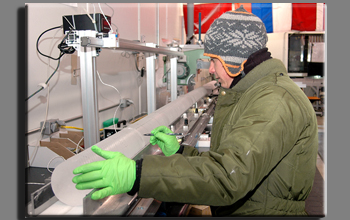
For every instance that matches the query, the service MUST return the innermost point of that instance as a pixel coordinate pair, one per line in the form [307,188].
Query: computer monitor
[315,69]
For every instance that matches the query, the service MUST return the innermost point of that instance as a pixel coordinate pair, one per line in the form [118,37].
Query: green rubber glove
[167,143]
[115,175]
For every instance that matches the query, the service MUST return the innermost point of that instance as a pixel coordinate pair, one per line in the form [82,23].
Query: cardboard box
[50,151]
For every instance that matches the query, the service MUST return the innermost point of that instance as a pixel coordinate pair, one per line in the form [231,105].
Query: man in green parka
[264,141]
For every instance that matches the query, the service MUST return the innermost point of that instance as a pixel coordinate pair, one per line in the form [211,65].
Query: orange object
[314,98]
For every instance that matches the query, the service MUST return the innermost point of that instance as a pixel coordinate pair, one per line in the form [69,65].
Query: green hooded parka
[262,156]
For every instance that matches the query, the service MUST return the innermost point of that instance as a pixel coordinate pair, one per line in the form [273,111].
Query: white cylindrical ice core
[129,141]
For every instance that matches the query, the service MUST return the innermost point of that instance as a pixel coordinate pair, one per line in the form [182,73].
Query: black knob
[186,121]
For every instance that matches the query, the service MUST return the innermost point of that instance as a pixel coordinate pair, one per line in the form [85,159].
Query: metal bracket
[91,42]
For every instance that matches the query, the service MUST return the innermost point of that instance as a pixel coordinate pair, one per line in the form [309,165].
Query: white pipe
[166,21]
[190,20]
[140,101]
[182,26]
[129,141]
[157,23]
[139,38]
[173,78]
[151,84]
[138,22]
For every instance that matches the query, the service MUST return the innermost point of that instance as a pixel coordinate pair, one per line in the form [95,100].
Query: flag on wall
[209,12]
[262,10]
[282,17]
[308,16]
[277,17]
[304,16]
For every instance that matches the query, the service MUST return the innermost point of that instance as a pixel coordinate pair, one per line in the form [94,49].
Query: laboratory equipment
[84,22]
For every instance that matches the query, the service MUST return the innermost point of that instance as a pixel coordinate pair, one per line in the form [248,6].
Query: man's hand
[115,175]
[167,143]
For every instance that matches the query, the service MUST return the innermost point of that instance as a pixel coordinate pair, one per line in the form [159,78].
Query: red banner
[209,12]
[304,16]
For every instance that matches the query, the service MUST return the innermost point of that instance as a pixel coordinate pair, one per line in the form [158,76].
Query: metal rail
[129,45]
[142,47]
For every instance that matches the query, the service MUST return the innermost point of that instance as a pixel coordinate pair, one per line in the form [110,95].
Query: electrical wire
[64,126]
[116,28]
[94,22]
[62,46]
[47,81]
[132,122]
[99,5]
[92,19]
[136,64]
[157,63]
[134,111]
[69,21]
[98,74]
[140,77]
[37,44]
[47,107]
[125,54]
[64,49]
[48,164]
[41,131]
[110,8]
[33,183]
[77,148]
[116,31]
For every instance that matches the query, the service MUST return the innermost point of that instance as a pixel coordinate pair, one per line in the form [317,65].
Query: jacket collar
[265,68]
[252,61]
[229,96]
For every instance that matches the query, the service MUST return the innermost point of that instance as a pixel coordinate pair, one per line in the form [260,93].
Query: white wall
[276,46]
[135,21]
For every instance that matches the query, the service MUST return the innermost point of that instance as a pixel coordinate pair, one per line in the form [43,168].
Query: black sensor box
[83,22]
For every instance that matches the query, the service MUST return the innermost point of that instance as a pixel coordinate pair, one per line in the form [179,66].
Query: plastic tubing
[129,141]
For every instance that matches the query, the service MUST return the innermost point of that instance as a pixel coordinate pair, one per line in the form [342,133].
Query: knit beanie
[234,36]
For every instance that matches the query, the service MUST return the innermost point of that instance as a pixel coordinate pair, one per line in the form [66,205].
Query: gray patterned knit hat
[233,37]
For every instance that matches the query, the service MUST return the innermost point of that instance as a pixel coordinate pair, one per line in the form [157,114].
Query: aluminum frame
[89,93]
[173,78]
[86,44]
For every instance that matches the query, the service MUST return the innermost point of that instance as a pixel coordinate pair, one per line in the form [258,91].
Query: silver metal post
[89,96]
[95,91]
[151,84]
[157,24]
[190,20]
[173,80]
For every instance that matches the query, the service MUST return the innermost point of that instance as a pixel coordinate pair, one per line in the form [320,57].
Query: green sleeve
[249,149]
[190,151]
